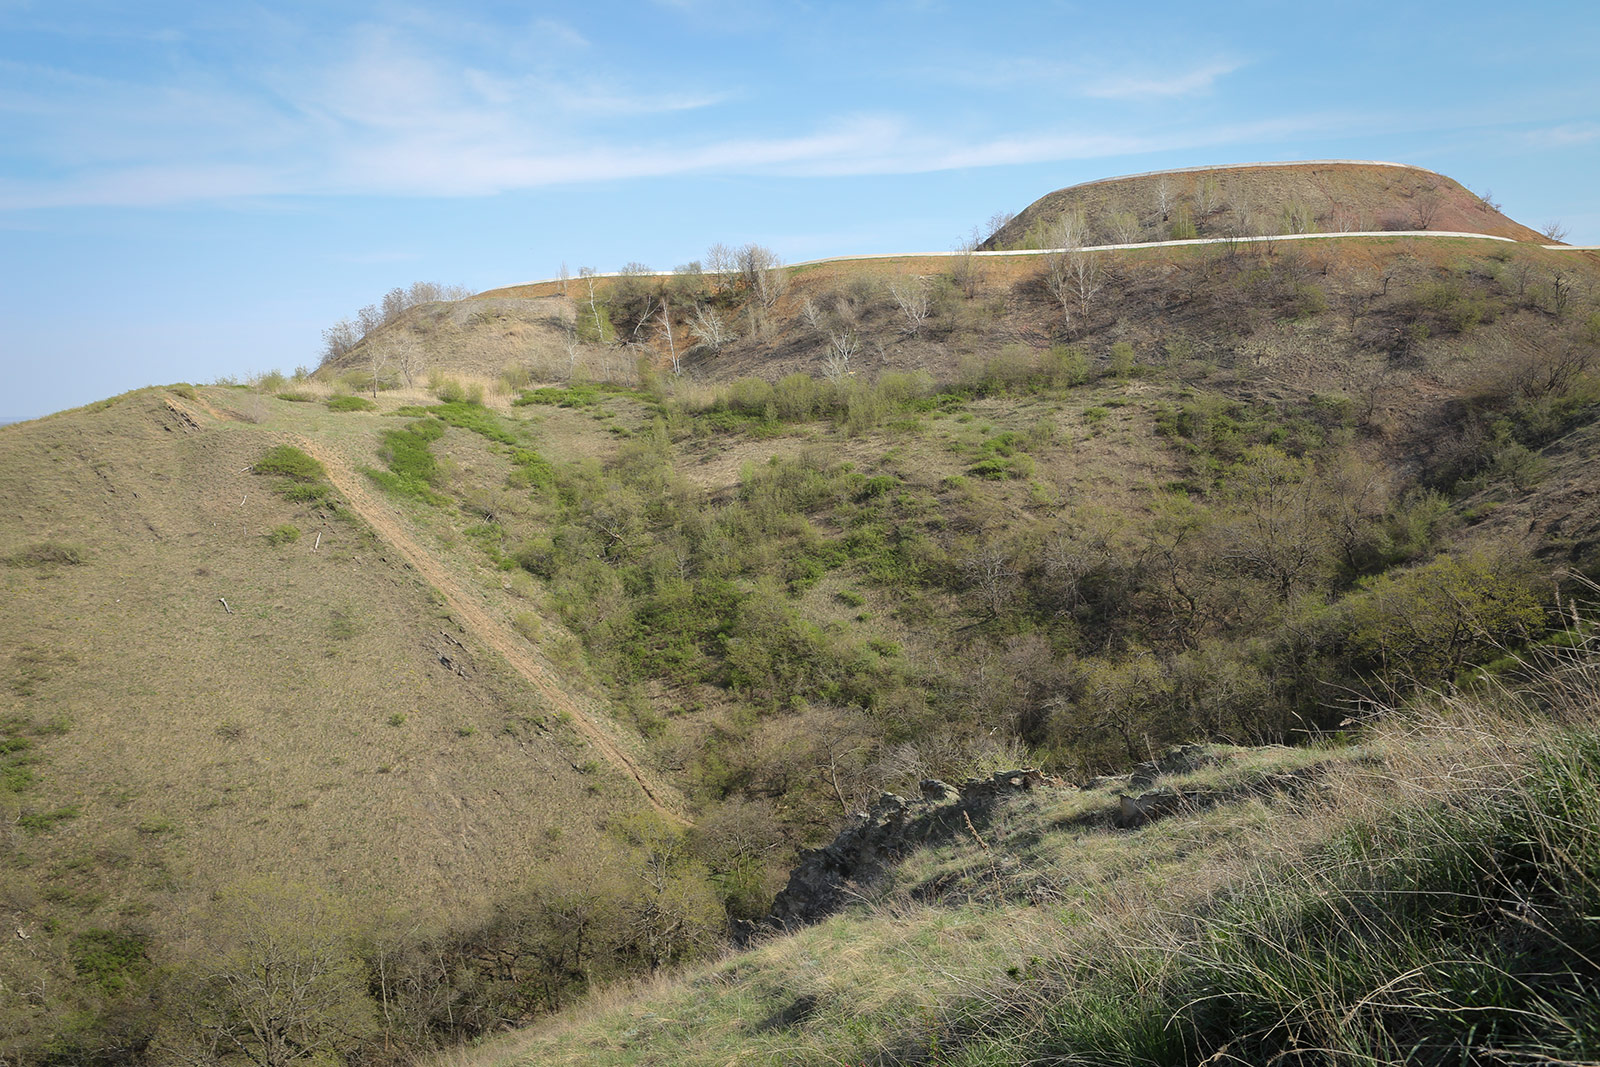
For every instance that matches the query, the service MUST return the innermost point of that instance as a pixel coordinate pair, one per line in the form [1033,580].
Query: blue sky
[190,190]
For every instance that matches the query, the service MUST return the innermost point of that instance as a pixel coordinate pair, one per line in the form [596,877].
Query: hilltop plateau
[523,647]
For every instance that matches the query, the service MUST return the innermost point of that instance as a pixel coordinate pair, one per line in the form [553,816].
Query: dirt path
[479,622]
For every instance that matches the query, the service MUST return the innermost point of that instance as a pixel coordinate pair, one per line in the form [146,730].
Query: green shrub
[346,402]
[283,535]
[413,470]
[1182,227]
[289,462]
[109,960]
[530,470]
[1122,359]
[473,416]
[574,396]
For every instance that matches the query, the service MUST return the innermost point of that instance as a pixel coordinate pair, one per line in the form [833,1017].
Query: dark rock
[826,878]
[1136,811]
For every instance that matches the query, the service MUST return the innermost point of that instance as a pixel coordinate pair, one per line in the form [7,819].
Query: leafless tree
[964,266]
[993,577]
[339,339]
[722,265]
[1085,277]
[408,357]
[1555,230]
[811,313]
[709,328]
[843,344]
[1068,231]
[762,273]
[1487,202]
[1425,209]
[912,297]
[1125,227]
[1244,217]
[672,345]
[377,362]
[276,981]
[588,275]
[1074,277]
[999,221]
[394,305]
[565,277]
[1560,292]
[1206,197]
[1164,199]
[570,345]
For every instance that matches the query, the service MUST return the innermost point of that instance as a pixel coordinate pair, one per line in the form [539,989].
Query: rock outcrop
[826,878]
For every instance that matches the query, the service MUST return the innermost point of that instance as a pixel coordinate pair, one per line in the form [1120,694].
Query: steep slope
[207,682]
[1346,904]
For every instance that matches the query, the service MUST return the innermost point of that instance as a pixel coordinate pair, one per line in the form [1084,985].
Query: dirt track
[479,622]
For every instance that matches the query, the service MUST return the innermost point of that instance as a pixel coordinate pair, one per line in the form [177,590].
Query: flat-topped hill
[1322,196]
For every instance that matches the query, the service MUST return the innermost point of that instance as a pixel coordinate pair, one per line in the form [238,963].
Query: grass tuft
[46,554]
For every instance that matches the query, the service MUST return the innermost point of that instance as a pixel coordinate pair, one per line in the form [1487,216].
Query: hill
[1326,196]
[525,645]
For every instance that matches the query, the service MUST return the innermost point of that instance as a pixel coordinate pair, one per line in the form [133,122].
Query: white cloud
[1199,80]
[389,115]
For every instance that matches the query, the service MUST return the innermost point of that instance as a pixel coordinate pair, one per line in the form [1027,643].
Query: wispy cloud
[1564,136]
[386,111]
[444,159]
[559,34]
[1125,87]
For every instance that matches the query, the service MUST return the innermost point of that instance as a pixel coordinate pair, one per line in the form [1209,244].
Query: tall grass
[1460,925]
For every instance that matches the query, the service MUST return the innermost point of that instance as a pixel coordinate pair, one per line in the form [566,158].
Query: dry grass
[206,743]
[980,949]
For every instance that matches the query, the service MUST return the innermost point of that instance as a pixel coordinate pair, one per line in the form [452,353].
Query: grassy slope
[1420,897]
[313,734]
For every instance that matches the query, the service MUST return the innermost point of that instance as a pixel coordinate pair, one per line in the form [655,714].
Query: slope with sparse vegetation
[478,669]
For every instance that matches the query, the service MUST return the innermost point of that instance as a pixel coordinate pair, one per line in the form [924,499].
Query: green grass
[413,469]
[478,419]
[292,463]
[574,396]
[301,478]
[349,402]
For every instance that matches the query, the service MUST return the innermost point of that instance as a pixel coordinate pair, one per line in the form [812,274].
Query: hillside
[1348,903]
[522,647]
[1328,196]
